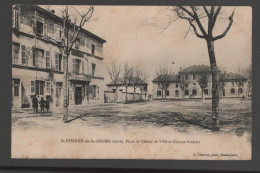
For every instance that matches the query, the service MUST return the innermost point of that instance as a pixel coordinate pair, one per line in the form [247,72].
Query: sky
[131,36]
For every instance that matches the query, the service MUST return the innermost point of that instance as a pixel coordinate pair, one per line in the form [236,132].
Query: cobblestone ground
[186,116]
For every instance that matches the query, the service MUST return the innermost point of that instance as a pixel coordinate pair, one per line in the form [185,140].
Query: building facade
[38,60]
[187,84]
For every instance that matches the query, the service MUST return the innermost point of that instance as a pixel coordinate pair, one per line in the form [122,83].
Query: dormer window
[40,26]
[77,41]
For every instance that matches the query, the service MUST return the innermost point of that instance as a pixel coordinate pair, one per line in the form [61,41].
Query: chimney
[53,11]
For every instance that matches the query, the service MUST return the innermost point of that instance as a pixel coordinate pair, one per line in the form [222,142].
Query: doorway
[78,95]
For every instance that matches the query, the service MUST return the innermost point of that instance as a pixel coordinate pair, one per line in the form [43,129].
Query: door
[16,99]
[78,95]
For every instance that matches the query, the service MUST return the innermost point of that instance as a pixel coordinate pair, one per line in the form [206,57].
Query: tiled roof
[196,69]
[170,78]
[120,82]
[234,77]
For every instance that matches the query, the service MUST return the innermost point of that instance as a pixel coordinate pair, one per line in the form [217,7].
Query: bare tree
[128,74]
[143,82]
[247,72]
[203,82]
[136,80]
[198,17]
[164,78]
[184,82]
[71,32]
[114,70]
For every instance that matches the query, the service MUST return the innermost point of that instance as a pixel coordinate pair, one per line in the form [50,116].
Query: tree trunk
[202,92]
[65,87]
[126,93]
[134,93]
[215,86]
[162,94]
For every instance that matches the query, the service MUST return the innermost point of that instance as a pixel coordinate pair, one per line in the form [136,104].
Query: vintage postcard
[132,82]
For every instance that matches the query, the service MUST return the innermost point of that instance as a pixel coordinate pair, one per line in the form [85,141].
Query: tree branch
[227,29]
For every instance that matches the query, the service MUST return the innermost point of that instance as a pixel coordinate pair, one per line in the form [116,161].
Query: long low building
[38,60]
[187,84]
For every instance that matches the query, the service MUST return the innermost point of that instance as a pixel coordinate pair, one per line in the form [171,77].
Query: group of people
[44,104]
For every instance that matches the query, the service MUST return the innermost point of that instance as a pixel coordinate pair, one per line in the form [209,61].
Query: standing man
[35,104]
[42,105]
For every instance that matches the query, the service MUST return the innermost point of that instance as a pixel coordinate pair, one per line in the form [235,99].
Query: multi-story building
[186,84]
[38,60]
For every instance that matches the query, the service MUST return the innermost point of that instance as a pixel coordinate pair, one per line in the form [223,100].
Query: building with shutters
[38,60]
[186,84]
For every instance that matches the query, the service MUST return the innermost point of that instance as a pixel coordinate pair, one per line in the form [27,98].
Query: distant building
[38,60]
[120,89]
[186,84]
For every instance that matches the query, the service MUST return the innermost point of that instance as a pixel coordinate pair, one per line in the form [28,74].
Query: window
[194,83]
[24,59]
[58,89]
[16,85]
[57,32]
[38,58]
[186,85]
[186,92]
[32,87]
[93,69]
[41,27]
[176,86]
[39,87]
[193,76]
[48,59]
[76,66]
[15,19]
[82,40]
[186,77]
[58,60]
[232,91]
[176,93]
[77,43]
[167,92]
[206,91]
[240,90]
[83,68]
[16,50]
[159,92]
[194,92]
[94,91]
[93,49]
[48,87]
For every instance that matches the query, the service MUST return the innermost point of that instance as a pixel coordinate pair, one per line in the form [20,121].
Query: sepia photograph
[131,82]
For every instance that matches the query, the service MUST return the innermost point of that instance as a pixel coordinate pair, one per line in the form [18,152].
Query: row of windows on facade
[37,87]
[42,29]
[187,85]
[42,59]
[194,92]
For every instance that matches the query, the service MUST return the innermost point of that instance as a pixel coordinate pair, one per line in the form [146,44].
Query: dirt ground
[187,116]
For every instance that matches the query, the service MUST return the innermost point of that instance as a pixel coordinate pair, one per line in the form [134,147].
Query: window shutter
[13,18]
[56,61]
[83,69]
[45,29]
